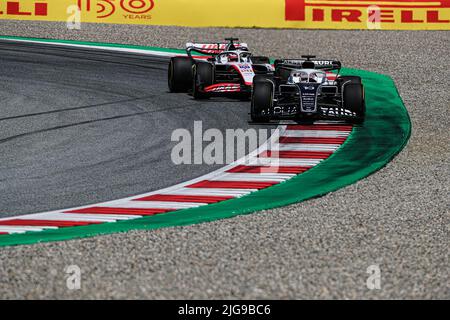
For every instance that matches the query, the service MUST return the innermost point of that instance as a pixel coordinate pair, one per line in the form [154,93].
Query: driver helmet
[232,58]
[316,77]
[223,59]
[298,77]
[245,58]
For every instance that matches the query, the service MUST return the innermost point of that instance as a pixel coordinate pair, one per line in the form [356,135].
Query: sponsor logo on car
[245,68]
[323,62]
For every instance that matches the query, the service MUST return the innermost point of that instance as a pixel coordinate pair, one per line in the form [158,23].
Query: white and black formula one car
[307,89]
[216,68]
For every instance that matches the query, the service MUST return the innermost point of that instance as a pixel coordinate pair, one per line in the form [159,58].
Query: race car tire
[262,78]
[203,75]
[344,79]
[262,99]
[180,74]
[353,100]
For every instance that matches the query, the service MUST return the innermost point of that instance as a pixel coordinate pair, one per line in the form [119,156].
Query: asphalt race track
[321,248]
[81,126]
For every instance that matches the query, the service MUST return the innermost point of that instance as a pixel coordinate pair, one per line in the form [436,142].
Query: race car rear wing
[308,63]
[214,48]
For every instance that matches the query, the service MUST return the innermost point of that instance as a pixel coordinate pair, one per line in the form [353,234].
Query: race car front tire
[353,100]
[203,75]
[180,74]
[262,100]
[346,79]
[262,78]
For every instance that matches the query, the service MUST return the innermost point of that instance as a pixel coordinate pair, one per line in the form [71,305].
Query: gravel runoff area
[397,218]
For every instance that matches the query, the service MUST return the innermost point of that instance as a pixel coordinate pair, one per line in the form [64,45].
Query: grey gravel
[397,218]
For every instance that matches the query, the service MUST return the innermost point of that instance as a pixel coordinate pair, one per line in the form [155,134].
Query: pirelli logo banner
[308,14]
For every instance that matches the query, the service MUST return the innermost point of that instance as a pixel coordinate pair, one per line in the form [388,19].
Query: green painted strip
[370,147]
[94,44]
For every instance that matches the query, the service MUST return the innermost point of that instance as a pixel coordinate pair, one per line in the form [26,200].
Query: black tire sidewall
[179,74]
[203,76]
[353,79]
[353,98]
[261,99]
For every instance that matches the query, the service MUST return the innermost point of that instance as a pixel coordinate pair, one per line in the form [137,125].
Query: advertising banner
[305,14]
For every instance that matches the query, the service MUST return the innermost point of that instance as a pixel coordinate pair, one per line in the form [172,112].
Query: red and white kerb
[299,148]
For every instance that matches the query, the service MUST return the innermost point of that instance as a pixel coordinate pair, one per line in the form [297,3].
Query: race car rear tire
[262,99]
[353,100]
[203,75]
[180,74]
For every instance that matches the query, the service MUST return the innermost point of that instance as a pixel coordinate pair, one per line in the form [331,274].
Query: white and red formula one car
[218,68]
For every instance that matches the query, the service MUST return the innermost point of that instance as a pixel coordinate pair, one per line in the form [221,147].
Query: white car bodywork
[238,57]
[310,76]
